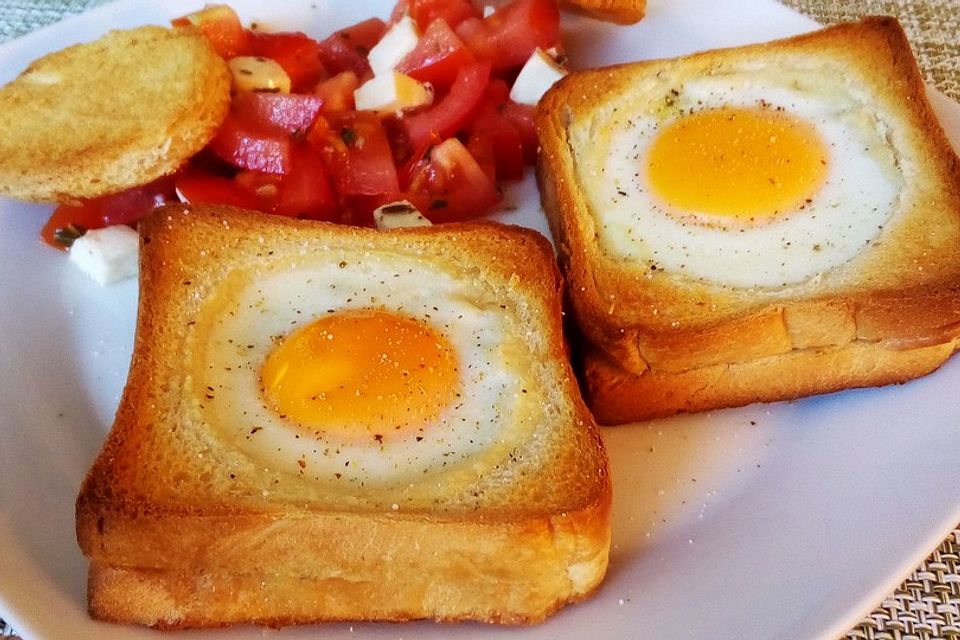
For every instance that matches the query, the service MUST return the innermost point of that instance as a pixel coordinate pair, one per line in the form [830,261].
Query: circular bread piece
[103,116]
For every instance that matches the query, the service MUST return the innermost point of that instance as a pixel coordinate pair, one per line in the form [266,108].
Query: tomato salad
[417,108]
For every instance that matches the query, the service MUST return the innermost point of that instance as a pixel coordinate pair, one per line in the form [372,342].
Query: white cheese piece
[398,215]
[536,77]
[393,47]
[107,255]
[391,91]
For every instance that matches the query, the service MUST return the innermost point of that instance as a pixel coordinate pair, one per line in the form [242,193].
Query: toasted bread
[103,116]
[190,518]
[664,337]
[617,11]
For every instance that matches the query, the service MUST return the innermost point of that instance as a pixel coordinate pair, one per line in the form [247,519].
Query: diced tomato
[453,111]
[491,125]
[298,54]
[451,185]
[346,50]
[521,115]
[124,207]
[356,152]
[198,187]
[291,112]
[509,35]
[424,12]
[221,26]
[249,144]
[336,93]
[438,56]
[481,148]
[305,191]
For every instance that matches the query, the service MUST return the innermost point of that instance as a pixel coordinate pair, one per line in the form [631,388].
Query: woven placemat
[926,606]
[18,17]
[933,27]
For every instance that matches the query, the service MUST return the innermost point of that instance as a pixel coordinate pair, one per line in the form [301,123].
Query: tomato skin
[492,125]
[198,187]
[453,12]
[454,110]
[221,26]
[482,150]
[438,56]
[336,93]
[357,153]
[521,115]
[290,112]
[297,53]
[451,185]
[81,215]
[346,50]
[250,145]
[305,192]
[124,207]
[509,36]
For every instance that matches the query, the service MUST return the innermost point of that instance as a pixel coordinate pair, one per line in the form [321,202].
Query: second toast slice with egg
[755,223]
[334,423]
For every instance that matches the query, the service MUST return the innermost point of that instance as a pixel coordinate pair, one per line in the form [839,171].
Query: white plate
[780,521]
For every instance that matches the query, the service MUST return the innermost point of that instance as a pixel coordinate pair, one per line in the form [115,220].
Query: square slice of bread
[208,507]
[687,307]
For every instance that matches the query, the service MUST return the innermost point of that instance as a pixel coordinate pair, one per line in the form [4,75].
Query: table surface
[926,606]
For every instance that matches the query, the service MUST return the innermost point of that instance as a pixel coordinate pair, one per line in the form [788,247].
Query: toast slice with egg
[99,117]
[754,224]
[333,423]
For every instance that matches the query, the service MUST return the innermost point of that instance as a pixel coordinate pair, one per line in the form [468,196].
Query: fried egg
[368,369]
[749,178]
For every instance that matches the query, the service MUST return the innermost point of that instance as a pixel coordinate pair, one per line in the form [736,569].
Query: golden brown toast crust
[617,11]
[617,396]
[107,115]
[903,288]
[165,499]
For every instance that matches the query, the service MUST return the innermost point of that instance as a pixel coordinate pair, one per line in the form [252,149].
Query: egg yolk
[361,373]
[738,164]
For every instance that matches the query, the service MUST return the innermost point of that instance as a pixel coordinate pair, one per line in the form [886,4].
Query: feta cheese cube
[107,255]
[393,47]
[536,77]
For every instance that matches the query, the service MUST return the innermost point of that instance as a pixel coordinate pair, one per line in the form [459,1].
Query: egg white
[479,429]
[848,212]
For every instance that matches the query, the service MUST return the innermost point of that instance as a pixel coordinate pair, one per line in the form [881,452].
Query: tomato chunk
[438,56]
[509,36]
[336,93]
[356,152]
[453,111]
[198,187]
[305,191]
[220,25]
[298,54]
[424,12]
[124,207]
[521,115]
[291,112]
[451,185]
[492,126]
[248,144]
[346,50]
